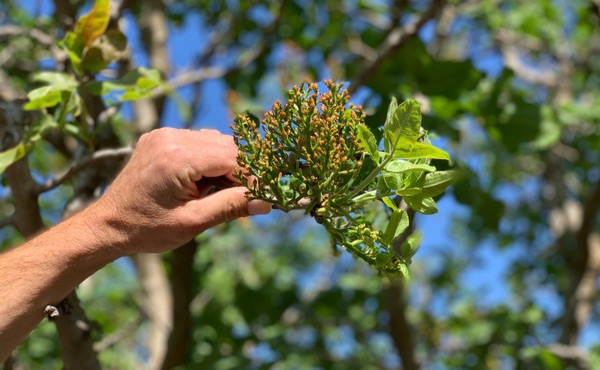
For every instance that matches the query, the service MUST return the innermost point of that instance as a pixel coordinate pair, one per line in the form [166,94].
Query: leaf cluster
[316,153]
[90,48]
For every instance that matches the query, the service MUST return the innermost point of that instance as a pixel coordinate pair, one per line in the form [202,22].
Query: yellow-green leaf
[10,156]
[422,150]
[367,142]
[92,25]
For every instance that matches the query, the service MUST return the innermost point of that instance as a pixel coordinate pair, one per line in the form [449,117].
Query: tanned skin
[156,204]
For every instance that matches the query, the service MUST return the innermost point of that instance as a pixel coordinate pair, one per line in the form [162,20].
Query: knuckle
[234,209]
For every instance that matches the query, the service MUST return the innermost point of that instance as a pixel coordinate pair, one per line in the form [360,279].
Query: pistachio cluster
[309,149]
[305,154]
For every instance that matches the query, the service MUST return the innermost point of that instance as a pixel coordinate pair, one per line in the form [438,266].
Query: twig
[96,158]
[395,39]
[35,34]
[531,74]
[116,337]
[207,73]
[571,353]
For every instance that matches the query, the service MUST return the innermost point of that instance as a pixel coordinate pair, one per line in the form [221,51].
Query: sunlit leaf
[11,155]
[391,110]
[401,166]
[367,141]
[422,150]
[425,205]
[92,25]
[435,183]
[397,223]
[58,80]
[43,97]
[403,130]
[390,203]
[410,246]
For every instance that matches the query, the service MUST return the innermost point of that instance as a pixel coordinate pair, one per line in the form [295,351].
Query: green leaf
[400,166]
[404,128]
[73,43]
[43,97]
[437,182]
[134,85]
[92,25]
[367,142]
[425,205]
[58,80]
[407,192]
[390,203]
[391,109]
[11,155]
[410,246]
[403,269]
[117,40]
[393,180]
[53,93]
[382,259]
[397,223]
[422,150]
[94,60]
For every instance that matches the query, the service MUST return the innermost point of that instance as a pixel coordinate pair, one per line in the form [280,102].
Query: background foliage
[507,273]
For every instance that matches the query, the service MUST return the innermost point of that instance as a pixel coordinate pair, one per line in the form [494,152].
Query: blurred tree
[511,87]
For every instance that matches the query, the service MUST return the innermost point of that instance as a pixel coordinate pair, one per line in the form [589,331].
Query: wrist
[105,230]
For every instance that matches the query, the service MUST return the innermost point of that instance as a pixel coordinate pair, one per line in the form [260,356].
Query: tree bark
[182,287]
[157,304]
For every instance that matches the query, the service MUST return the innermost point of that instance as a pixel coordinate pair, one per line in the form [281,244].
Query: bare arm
[154,205]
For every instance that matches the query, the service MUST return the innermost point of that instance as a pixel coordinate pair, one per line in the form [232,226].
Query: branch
[513,60]
[114,338]
[200,75]
[182,287]
[75,335]
[157,303]
[95,159]
[571,354]
[33,33]
[397,37]
[395,300]
[592,205]
[586,268]
[27,216]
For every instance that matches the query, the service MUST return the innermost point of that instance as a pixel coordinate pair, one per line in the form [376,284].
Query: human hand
[156,203]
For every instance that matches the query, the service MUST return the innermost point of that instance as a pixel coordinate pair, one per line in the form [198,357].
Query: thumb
[222,206]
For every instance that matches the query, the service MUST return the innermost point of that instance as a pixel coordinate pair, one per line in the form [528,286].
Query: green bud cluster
[309,149]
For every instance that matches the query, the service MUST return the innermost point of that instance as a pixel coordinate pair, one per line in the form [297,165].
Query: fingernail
[258,207]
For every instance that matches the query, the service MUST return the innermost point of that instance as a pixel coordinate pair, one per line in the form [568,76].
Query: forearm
[45,269]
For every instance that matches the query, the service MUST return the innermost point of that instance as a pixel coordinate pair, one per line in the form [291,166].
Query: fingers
[215,154]
[206,152]
[222,206]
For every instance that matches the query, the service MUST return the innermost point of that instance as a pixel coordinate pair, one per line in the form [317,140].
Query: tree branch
[157,303]
[585,270]
[98,157]
[396,305]
[182,288]
[114,338]
[397,37]
[571,354]
[33,33]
